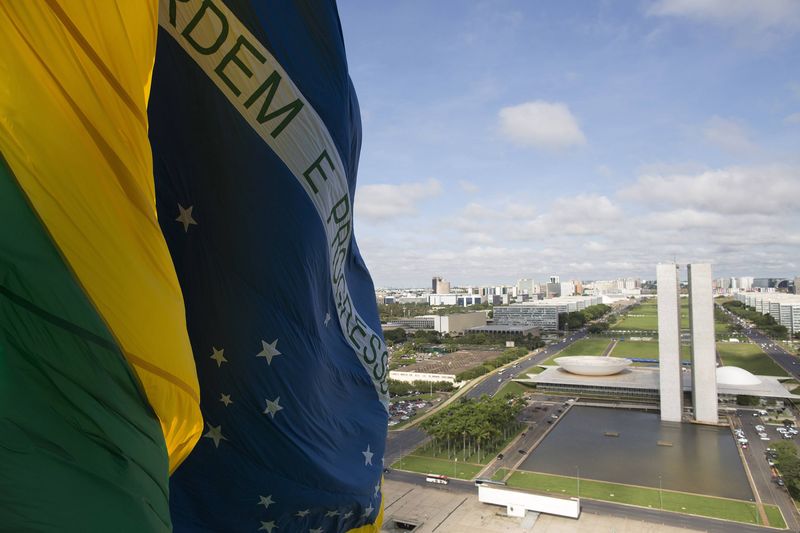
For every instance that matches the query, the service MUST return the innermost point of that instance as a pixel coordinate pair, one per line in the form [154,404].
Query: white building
[669,336]
[455,323]
[704,350]
[784,308]
[542,313]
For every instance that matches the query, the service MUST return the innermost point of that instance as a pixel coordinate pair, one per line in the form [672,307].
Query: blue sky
[508,139]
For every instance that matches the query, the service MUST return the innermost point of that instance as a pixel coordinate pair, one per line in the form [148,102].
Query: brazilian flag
[188,334]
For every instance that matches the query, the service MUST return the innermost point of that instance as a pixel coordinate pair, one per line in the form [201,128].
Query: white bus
[436,478]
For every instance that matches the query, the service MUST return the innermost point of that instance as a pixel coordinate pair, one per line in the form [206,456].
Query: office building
[704,353]
[669,336]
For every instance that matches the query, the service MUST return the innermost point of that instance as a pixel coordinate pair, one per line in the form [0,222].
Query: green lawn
[644,350]
[737,510]
[750,357]
[588,346]
[645,317]
[512,387]
[430,465]
[500,474]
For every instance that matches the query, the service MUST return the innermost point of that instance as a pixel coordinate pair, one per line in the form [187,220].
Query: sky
[591,140]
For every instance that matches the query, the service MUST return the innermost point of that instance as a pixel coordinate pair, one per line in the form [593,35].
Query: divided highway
[400,442]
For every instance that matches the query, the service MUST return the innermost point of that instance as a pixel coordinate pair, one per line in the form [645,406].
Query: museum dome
[735,376]
[592,365]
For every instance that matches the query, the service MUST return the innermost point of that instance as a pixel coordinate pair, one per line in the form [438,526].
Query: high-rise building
[669,342]
[704,354]
[555,279]
[440,285]
[525,286]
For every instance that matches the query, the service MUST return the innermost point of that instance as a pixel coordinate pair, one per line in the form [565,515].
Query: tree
[597,327]
[742,399]
[395,335]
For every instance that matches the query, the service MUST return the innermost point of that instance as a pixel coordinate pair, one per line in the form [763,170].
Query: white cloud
[541,125]
[468,186]
[733,190]
[604,170]
[385,201]
[742,219]
[728,135]
[794,118]
[749,15]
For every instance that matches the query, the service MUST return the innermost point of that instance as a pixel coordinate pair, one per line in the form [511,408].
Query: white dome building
[733,376]
[592,365]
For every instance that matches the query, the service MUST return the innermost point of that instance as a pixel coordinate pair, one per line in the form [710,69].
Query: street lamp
[578,476]
[660,493]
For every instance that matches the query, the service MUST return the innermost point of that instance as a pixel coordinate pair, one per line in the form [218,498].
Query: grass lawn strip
[680,502]
[750,357]
[512,387]
[775,516]
[500,474]
[430,465]
[589,346]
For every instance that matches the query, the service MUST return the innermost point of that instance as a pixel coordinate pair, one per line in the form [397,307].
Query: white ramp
[517,503]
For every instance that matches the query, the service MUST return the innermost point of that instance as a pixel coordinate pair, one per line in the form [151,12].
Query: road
[755,455]
[605,508]
[786,360]
[492,383]
[403,441]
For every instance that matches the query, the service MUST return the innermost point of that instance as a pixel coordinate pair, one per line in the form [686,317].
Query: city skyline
[593,141]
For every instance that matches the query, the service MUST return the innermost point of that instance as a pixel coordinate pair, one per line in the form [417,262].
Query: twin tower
[704,358]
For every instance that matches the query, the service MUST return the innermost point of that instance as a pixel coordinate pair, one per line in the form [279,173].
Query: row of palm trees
[474,426]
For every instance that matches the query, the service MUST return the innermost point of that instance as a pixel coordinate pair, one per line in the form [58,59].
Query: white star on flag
[272,406]
[330,514]
[268,350]
[218,356]
[368,510]
[367,456]
[377,488]
[302,513]
[267,526]
[226,399]
[185,217]
[347,515]
[327,319]
[215,434]
[265,501]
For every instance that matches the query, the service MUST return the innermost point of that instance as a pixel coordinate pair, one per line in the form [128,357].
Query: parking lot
[402,410]
[762,473]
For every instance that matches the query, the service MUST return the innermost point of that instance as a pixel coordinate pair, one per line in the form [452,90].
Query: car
[387,470]
[499,380]
[764,438]
[523,452]
[500,456]
[554,417]
[780,482]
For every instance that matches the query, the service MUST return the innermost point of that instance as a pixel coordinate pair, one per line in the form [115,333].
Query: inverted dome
[592,365]
[735,376]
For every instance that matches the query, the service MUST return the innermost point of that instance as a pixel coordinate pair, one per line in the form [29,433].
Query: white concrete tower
[669,343]
[704,349]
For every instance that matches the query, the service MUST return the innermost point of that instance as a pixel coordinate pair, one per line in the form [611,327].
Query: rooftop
[729,381]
